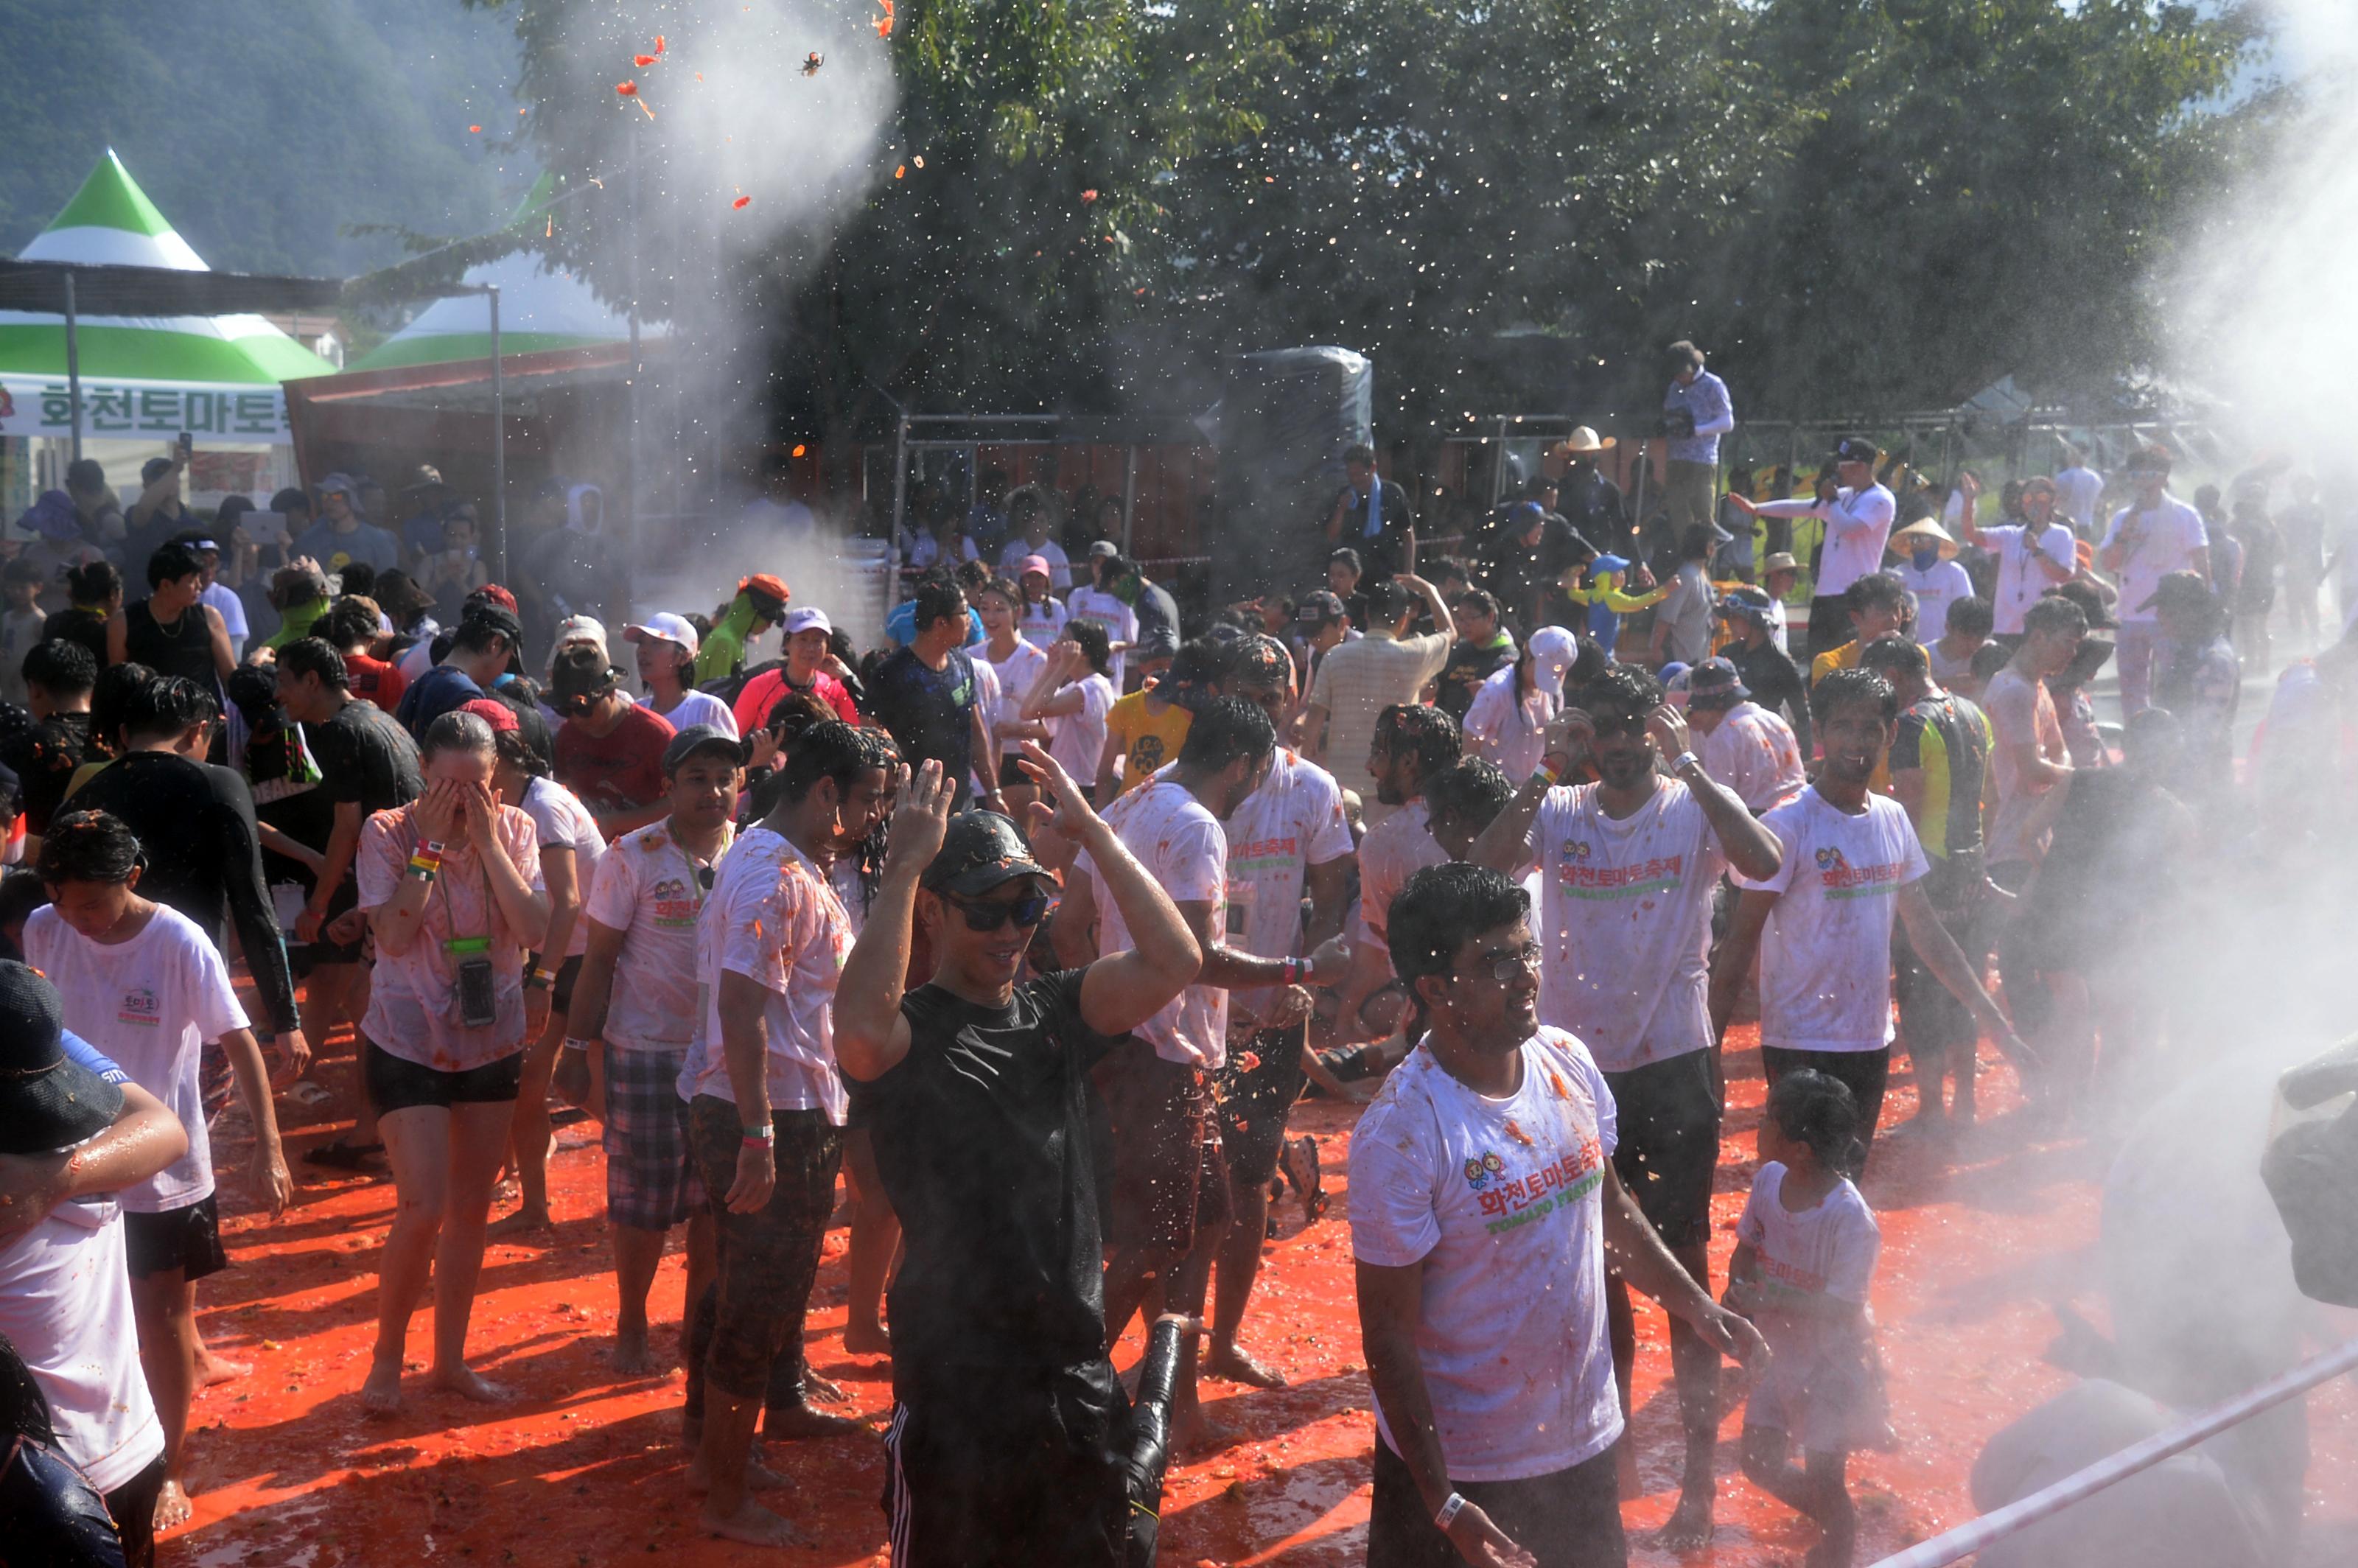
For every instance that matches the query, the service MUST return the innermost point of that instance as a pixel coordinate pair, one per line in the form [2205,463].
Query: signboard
[137,410]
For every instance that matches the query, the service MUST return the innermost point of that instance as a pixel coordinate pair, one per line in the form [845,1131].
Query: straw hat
[1583,443]
[1927,529]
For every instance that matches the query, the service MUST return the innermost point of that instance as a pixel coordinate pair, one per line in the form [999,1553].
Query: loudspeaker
[1286,418]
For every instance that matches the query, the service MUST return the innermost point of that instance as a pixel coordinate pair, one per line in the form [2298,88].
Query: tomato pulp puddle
[584,1467]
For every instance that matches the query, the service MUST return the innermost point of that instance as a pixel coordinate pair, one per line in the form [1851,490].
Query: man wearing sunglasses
[1628,866]
[1170,1179]
[1006,1435]
[610,750]
[634,1013]
[1482,1203]
[765,1113]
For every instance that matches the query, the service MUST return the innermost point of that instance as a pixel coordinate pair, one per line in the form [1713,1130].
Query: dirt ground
[585,1468]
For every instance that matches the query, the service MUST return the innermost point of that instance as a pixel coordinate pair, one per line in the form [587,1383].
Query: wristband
[1448,1512]
[542,977]
[574,1043]
[1289,971]
[1545,776]
[430,846]
[765,1133]
[1679,763]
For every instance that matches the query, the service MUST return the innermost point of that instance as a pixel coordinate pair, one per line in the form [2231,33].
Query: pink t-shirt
[413,1011]
[649,888]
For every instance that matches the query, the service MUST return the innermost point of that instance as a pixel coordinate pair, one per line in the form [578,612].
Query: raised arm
[871,1034]
[1441,622]
[1505,845]
[525,912]
[1751,849]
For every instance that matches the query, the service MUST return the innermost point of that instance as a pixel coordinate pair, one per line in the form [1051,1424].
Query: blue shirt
[366,544]
[1707,400]
[84,1054]
[441,690]
[422,535]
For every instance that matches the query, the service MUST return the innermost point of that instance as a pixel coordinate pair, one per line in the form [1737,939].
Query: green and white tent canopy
[540,308]
[142,377]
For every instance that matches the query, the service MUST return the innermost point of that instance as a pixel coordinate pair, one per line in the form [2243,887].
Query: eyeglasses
[1026,913]
[1506,965]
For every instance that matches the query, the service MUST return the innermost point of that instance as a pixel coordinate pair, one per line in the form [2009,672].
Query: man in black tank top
[171,631]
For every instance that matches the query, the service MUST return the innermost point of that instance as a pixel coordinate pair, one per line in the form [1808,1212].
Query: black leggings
[1864,1073]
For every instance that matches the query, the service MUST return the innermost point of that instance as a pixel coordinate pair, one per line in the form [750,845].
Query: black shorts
[186,1239]
[1168,1175]
[1668,1115]
[1864,1072]
[132,1506]
[560,991]
[1003,1467]
[394,1083]
[1254,1101]
[1570,1519]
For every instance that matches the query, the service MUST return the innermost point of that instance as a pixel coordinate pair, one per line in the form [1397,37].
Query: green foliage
[261,130]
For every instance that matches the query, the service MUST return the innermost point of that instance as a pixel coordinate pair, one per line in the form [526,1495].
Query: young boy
[20,624]
[142,985]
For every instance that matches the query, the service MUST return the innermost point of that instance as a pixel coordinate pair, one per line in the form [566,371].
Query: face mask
[1926,556]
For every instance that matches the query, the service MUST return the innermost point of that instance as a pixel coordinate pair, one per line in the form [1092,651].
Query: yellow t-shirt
[1842,658]
[1148,739]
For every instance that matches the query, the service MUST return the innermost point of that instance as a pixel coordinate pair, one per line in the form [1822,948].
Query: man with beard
[1850,865]
[1627,867]
[1412,744]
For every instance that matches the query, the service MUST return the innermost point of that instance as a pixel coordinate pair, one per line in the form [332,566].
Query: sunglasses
[1026,913]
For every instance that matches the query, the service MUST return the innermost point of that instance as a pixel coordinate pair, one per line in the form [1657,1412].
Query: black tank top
[185,648]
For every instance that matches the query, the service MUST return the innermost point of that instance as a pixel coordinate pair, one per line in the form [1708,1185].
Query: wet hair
[1426,732]
[21,893]
[61,667]
[93,582]
[457,732]
[358,579]
[170,564]
[1096,646]
[1860,685]
[476,633]
[1006,588]
[1988,659]
[1388,601]
[1445,905]
[514,752]
[938,600]
[165,707]
[1896,651]
[1469,793]
[315,657]
[1621,694]
[351,622]
[254,692]
[2053,612]
[1481,601]
[1225,728]
[831,750]
[89,847]
[111,694]
[1972,615]
[1877,591]
[1818,1111]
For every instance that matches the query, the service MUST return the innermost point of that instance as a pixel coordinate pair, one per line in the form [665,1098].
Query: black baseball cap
[701,738]
[1319,609]
[1855,449]
[1715,682]
[496,618]
[982,850]
[47,1101]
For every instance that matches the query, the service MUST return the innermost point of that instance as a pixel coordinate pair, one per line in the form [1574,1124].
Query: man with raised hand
[1627,866]
[1007,1433]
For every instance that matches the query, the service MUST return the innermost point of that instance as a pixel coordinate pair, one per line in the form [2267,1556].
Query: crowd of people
[1033,925]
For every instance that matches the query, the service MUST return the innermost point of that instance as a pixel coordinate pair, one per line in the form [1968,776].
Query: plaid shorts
[650,1180]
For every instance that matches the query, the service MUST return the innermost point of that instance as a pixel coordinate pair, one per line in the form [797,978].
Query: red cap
[498,714]
[763,583]
[498,595]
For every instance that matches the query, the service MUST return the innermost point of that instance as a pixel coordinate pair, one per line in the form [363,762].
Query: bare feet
[799,1422]
[1688,1527]
[866,1339]
[1238,1366]
[523,1221]
[380,1395]
[466,1382]
[212,1369]
[825,1390]
[172,1506]
[1193,1431]
[759,1477]
[754,1525]
[632,1357]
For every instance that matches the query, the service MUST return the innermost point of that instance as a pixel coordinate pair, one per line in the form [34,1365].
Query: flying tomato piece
[627,89]
[1087,197]
[642,61]
[811,62]
[741,202]
[659,43]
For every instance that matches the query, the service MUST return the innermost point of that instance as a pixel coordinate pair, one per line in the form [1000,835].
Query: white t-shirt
[2077,490]
[65,1303]
[1181,846]
[418,659]
[148,1005]
[1294,820]
[1777,625]
[987,698]
[1015,674]
[2020,582]
[1508,732]
[1392,851]
[1825,959]
[647,889]
[1828,1248]
[1935,590]
[1120,621]
[1502,1202]
[774,917]
[1060,568]
[1079,740]
[1754,753]
[1624,922]
[1859,525]
[2168,537]
[1043,623]
[232,613]
[695,706]
[562,822]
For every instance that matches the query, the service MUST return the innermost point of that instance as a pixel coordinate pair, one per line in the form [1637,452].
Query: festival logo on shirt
[1514,1201]
[140,1007]
[1480,1168]
[1578,878]
[1841,880]
[675,904]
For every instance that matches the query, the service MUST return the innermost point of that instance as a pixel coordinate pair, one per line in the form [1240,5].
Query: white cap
[1553,651]
[664,628]
[808,618]
[576,629]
